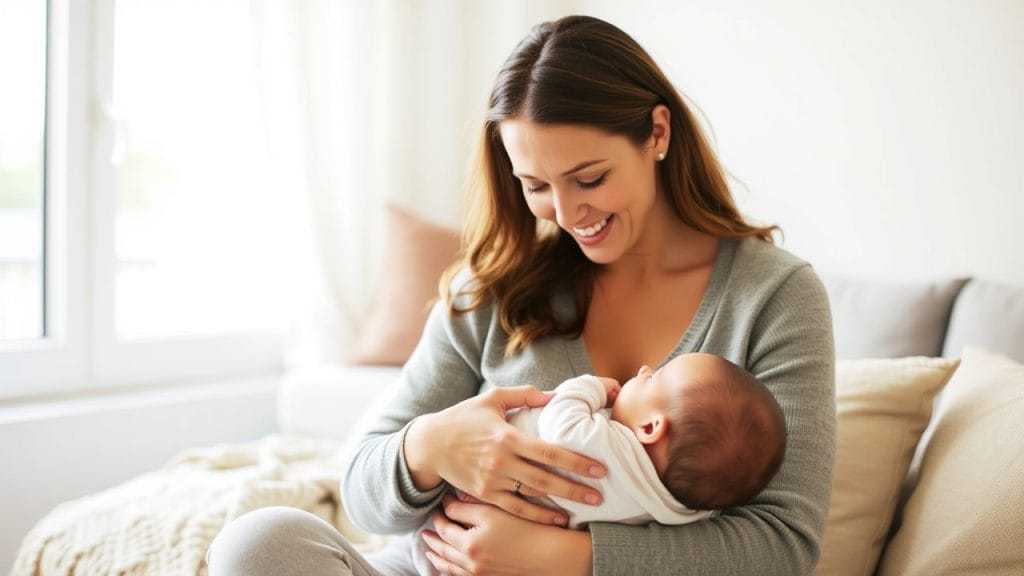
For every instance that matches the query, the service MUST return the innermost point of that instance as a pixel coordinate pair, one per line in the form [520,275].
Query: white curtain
[370,102]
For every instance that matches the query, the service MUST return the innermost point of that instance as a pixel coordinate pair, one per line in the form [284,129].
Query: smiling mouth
[591,230]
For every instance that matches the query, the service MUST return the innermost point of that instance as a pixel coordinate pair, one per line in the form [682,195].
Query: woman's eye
[534,189]
[587,185]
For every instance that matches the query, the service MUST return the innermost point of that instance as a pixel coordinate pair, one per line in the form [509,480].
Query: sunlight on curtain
[204,234]
[372,102]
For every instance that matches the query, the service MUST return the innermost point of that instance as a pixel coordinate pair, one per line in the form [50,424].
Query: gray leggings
[280,541]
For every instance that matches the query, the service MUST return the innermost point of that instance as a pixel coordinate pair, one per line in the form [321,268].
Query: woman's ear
[653,430]
[661,129]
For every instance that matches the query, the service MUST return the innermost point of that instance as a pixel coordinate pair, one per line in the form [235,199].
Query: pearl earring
[661,156]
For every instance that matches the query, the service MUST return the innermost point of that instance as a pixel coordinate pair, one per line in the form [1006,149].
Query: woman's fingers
[537,481]
[470,512]
[519,396]
[446,558]
[540,483]
[516,504]
[534,480]
[445,567]
[557,457]
[458,514]
[511,502]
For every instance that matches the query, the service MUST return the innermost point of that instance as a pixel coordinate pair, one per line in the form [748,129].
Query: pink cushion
[416,252]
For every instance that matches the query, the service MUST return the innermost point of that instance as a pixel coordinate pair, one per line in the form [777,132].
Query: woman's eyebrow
[574,169]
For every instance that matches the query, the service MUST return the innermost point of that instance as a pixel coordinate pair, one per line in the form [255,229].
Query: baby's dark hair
[727,439]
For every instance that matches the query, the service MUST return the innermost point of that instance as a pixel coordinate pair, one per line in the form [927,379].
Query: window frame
[80,350]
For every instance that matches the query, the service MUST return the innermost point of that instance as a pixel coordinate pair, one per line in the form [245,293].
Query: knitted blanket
[163,522]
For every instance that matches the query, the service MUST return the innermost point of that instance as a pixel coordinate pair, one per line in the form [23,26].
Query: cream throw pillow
[966,513]
[882,406]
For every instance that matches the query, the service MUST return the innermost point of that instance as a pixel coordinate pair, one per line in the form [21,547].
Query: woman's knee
[268,541]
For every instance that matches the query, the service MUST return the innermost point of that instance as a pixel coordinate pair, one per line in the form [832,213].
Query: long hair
[585,71]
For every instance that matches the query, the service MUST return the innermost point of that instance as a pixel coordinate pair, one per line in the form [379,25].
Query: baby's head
[716,435]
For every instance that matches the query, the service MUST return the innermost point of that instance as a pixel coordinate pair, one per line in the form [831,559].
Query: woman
[602,236]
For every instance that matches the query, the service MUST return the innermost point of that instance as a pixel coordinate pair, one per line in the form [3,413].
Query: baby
[697,435]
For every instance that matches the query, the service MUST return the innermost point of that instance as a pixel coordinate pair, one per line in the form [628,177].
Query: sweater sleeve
[785,338]
[443,370]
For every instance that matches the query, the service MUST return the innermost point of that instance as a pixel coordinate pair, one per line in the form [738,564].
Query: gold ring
[517,486]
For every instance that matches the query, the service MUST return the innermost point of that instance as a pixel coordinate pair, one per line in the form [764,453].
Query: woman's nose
[568,209]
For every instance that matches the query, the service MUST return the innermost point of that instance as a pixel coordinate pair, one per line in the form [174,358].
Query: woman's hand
[478,539]
[473,448]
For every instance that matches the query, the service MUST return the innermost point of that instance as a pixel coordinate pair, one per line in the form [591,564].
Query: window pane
[22,114]
[196,217]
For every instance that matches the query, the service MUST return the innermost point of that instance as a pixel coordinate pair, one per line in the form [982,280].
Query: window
[143,237]
[22,115]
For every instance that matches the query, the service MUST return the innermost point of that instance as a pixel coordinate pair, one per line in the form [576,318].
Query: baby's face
[651,391]
[637,397]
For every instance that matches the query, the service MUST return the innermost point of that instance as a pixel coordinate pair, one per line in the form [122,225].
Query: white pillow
[966,513]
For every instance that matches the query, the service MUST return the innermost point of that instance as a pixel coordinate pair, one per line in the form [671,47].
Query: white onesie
[633,494]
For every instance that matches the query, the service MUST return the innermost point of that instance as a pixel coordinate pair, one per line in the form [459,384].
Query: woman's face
[598,187]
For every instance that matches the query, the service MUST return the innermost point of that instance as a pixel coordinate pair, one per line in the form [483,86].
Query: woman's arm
[436,426]
[377,488]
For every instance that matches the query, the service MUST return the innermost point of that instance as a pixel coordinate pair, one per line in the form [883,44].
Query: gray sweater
[764,309]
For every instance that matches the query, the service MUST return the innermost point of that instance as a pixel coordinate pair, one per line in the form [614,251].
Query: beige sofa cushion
[966,514]
[883,406]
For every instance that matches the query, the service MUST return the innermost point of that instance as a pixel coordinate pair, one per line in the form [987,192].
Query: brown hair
[727,440]
[576,70]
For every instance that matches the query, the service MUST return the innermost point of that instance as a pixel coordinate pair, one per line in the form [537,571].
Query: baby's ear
[653,430]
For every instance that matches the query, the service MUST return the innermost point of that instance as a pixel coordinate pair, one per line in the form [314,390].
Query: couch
[929,477]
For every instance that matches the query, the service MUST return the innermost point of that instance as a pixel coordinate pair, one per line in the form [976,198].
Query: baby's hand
[611,388]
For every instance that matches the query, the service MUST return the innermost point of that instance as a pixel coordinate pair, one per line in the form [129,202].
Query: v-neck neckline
[576,349]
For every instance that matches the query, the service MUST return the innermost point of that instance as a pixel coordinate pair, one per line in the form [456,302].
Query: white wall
[57,451]
[885,137]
